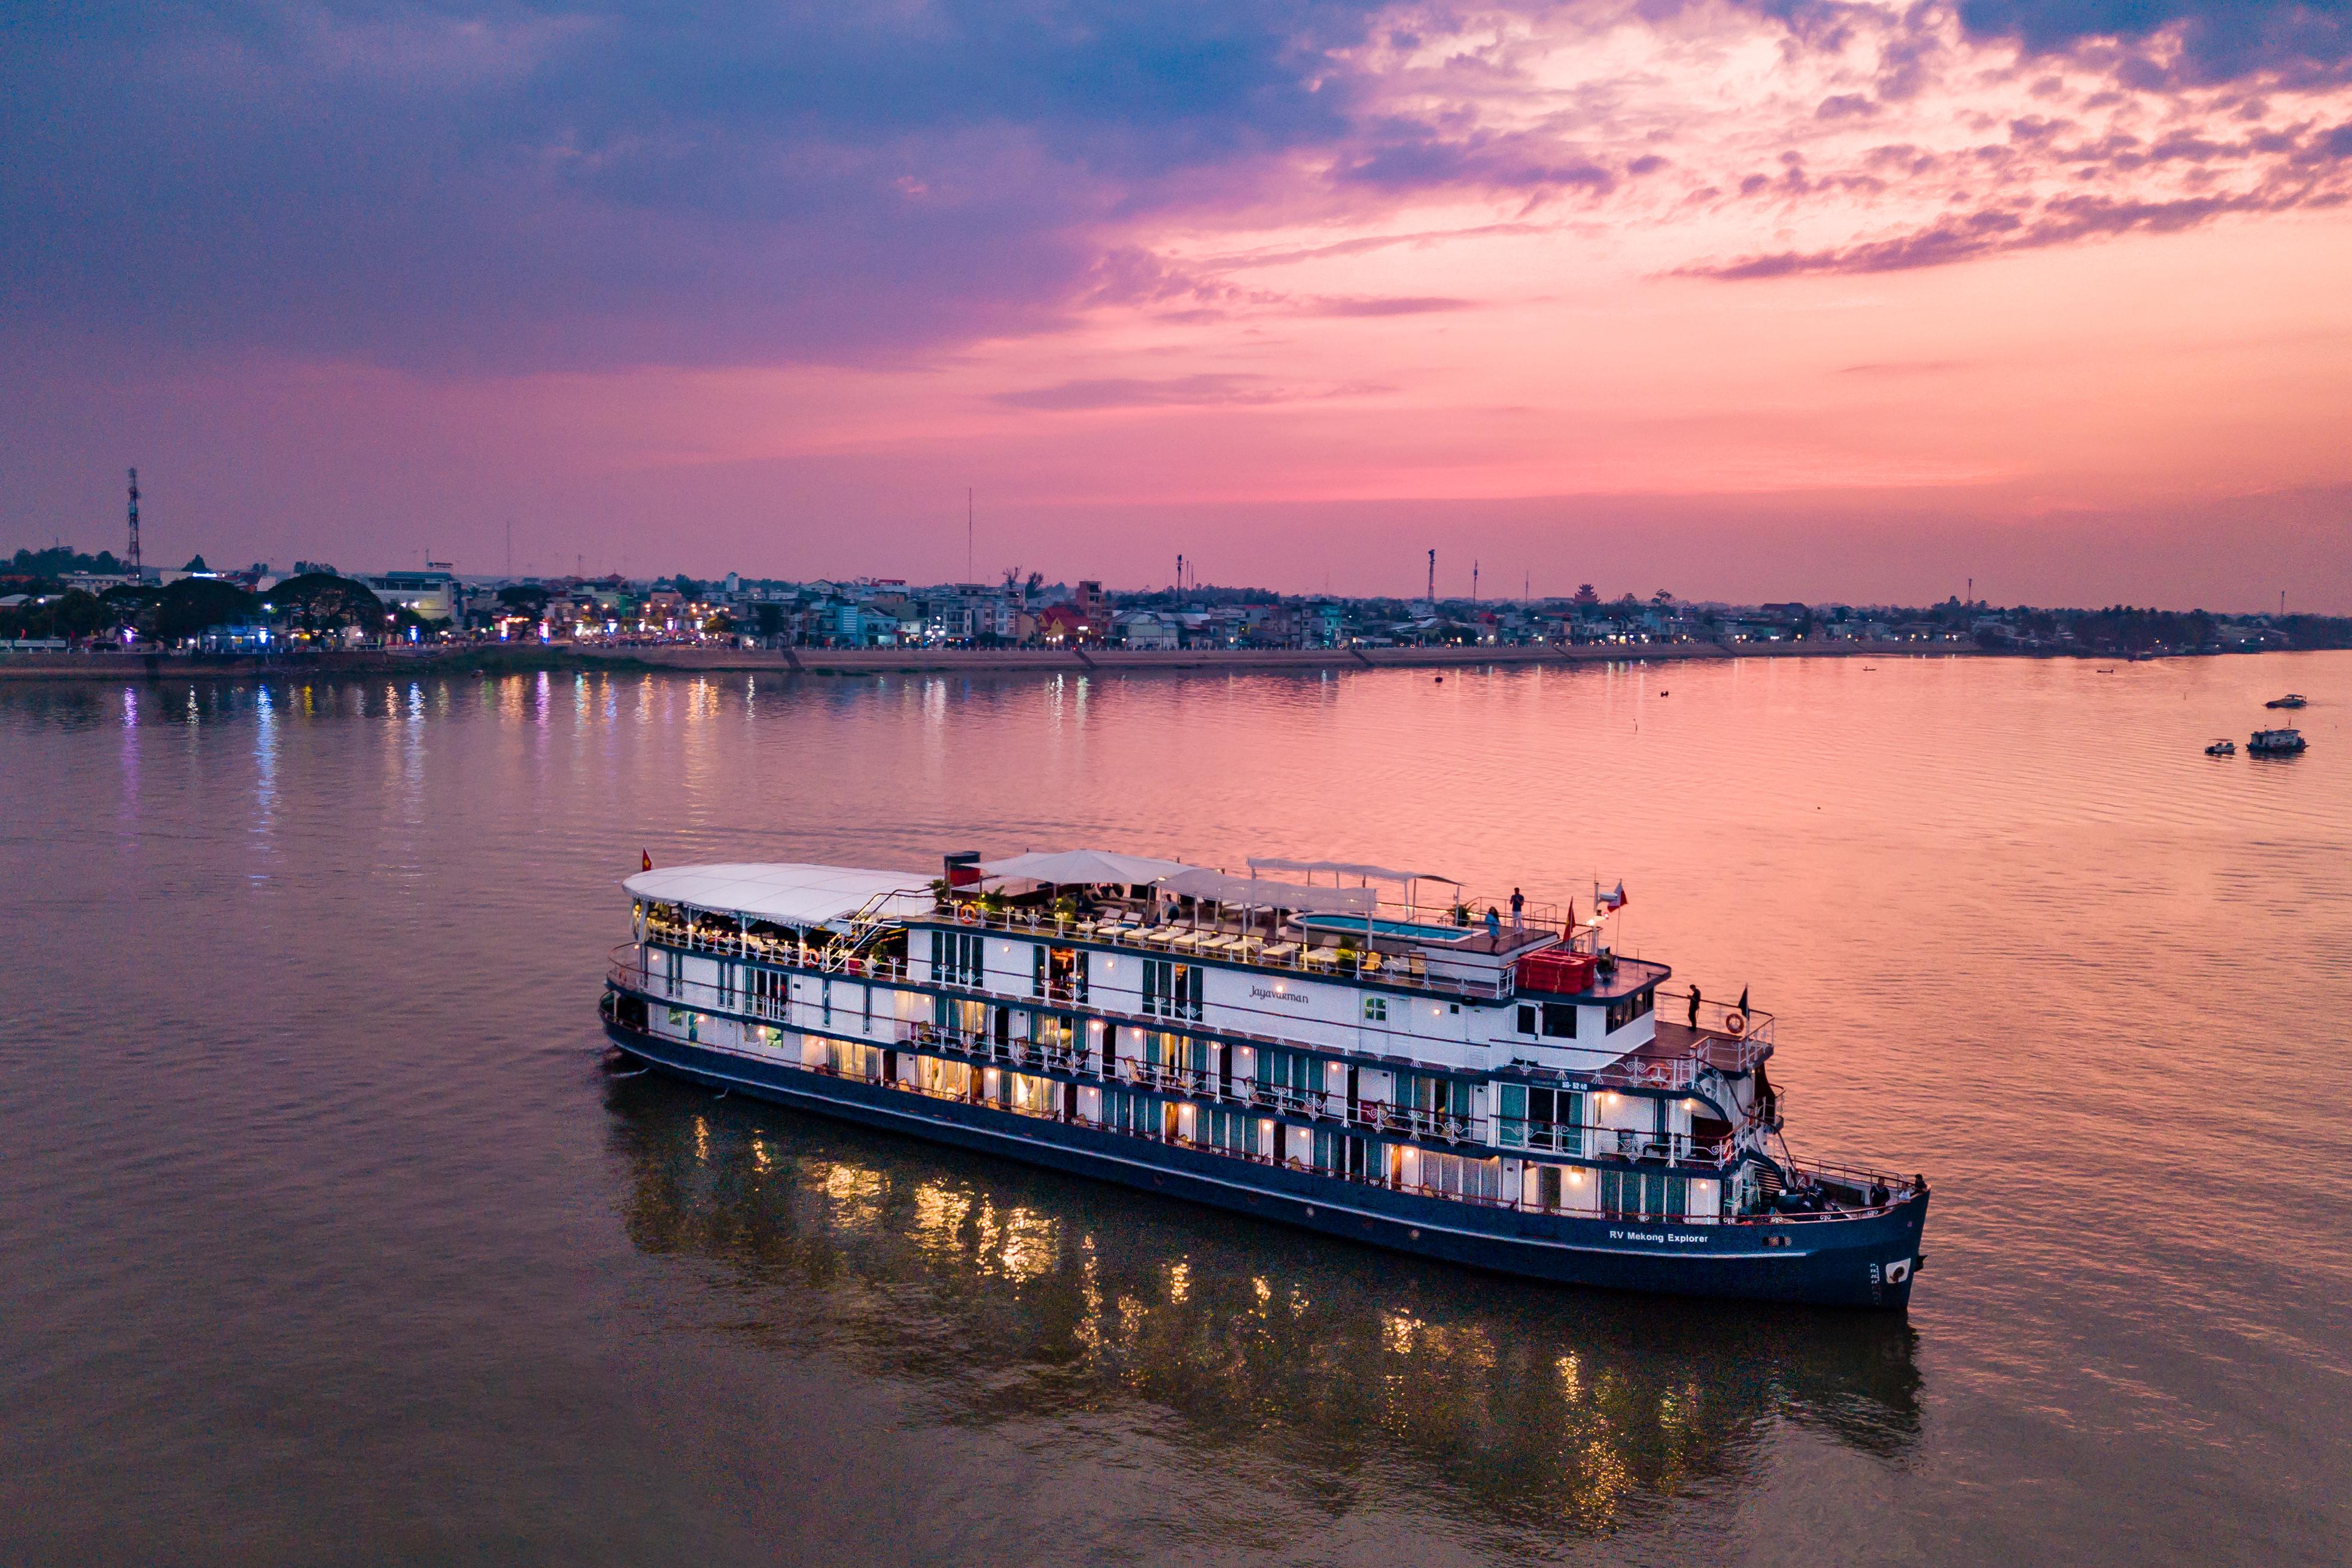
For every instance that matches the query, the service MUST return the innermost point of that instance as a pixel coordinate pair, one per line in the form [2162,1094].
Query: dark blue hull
[1841,1261]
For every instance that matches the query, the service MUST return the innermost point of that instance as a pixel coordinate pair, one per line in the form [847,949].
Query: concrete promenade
[851,662]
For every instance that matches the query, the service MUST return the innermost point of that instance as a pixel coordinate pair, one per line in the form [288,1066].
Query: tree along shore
[103,665]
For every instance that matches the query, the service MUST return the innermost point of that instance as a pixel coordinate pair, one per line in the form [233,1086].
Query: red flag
[647,856]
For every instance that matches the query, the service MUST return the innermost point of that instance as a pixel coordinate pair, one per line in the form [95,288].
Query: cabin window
[1456,1176]
[1227,1130]
[764,992]
[1541,1118]
[1376,1010]
[968,1019]
[1058,974]
[1511,1126]
[1559,1020]
[1527,1019]
[1337,1154]
[1645,1194]
[957,958]
[1624,1012]
[1171,990]
[1286,1072]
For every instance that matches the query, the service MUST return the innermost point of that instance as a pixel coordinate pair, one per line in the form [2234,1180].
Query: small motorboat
[2292,699]
[2222,748]
[2275,743]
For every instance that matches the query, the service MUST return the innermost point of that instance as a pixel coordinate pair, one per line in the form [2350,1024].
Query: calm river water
[329,1237]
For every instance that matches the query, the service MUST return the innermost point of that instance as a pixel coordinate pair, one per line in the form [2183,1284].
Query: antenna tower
[133,561]
[1433,577]
[1474,581]
[967,533]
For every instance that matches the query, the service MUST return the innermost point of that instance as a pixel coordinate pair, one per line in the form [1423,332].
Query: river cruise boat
[2276,743]
[1418,1071]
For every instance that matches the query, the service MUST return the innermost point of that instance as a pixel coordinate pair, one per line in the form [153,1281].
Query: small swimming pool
[1404,930]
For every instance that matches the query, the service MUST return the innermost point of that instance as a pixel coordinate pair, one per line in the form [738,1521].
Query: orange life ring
[1734,1024]
[963,914]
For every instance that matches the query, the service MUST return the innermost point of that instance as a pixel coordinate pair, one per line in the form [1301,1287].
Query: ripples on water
[329,1237]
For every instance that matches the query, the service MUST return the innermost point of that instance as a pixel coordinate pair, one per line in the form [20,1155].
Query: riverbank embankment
[115,666]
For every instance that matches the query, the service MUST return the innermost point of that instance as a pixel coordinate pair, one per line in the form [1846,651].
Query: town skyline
[2078,567]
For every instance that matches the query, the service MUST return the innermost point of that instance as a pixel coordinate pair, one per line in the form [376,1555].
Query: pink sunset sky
[1797,300]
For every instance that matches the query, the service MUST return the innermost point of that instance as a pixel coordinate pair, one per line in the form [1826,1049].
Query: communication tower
[131,556]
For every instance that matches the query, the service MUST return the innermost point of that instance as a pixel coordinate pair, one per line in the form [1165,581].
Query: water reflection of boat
[1003,1294]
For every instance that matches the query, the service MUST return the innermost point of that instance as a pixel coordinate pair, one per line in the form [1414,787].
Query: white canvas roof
[1073,867]
[802,896]
[1258,892]
[1347,867]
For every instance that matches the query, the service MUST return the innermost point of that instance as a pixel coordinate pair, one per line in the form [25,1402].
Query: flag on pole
[1614,899]
[1743,999]
[646,856]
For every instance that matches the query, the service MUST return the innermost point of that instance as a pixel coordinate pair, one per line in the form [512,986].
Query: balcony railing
[982,1048]
[1637,1144]
[1839,1183]
[1226,941]
[726,942]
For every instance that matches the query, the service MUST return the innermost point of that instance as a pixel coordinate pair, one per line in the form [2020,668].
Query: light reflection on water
[1009,1299]
[327,1233]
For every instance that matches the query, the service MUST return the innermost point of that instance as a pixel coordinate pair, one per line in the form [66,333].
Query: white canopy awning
[1083,868]
[1348,868]
[1258,892]
[799,895]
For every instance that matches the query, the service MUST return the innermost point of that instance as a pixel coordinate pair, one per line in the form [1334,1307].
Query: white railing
[1185,942]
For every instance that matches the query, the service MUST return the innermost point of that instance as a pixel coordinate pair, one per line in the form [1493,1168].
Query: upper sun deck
[1527,998]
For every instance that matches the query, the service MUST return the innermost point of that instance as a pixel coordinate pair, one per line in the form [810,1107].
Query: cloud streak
[606,183]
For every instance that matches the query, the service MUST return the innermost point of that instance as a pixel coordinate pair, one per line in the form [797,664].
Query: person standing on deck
[1694,1004]
[1494,925]
[1518,909]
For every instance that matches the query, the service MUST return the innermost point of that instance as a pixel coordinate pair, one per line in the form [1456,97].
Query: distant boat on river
[2275,743]
[2292,699]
